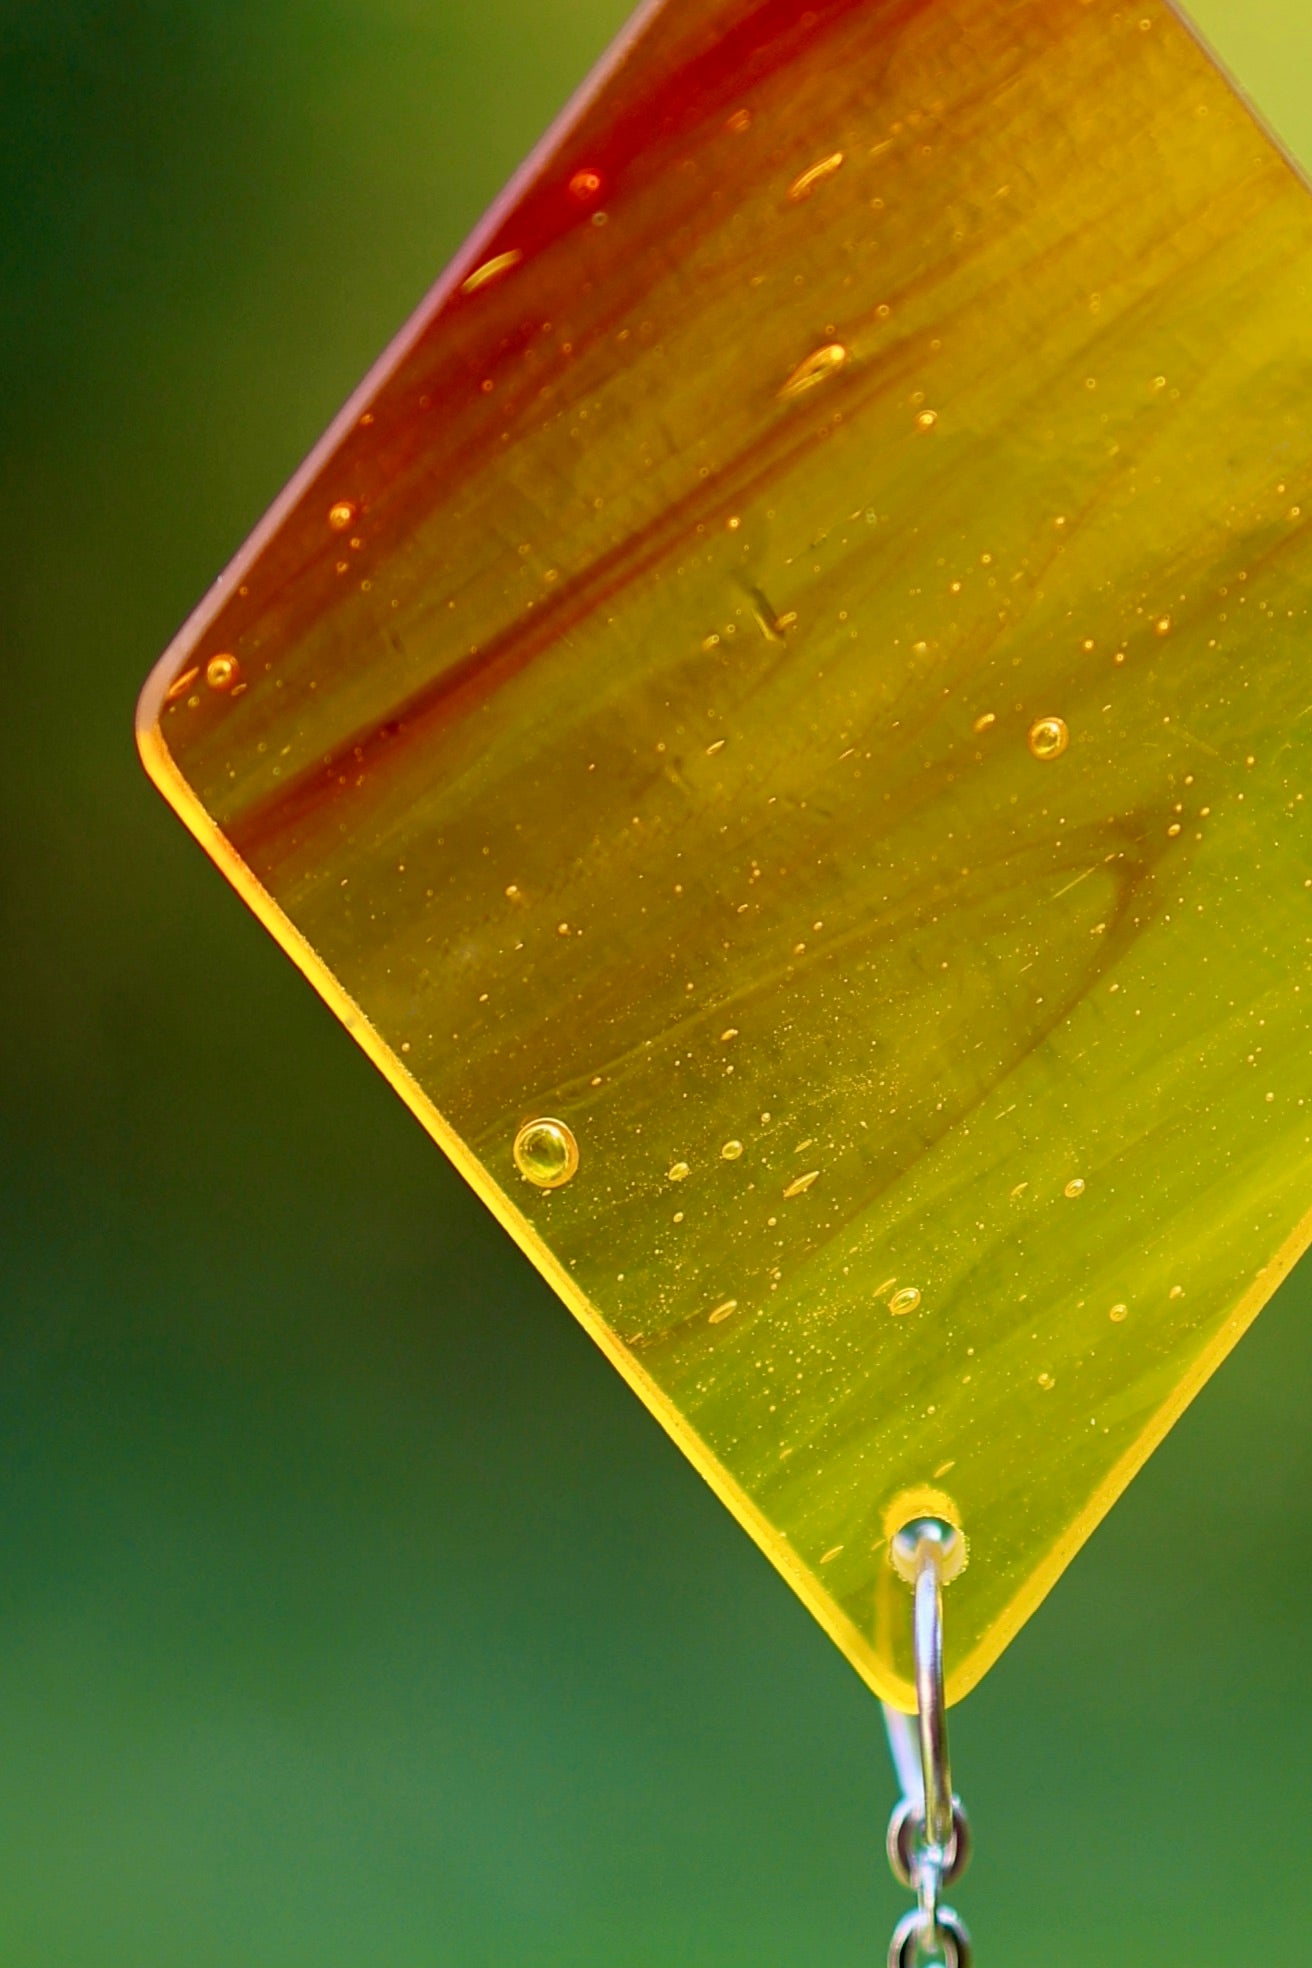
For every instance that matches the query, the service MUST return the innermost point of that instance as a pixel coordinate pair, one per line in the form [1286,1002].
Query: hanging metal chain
[928,1836]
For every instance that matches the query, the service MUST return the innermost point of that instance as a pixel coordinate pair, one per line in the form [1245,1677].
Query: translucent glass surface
[779,716]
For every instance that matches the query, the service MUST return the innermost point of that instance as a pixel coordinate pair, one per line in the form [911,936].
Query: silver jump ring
[928,1841]
[912,1947]
[930,1705]
[905,1832]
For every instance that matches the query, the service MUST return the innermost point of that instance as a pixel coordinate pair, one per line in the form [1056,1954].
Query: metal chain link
[928,1836]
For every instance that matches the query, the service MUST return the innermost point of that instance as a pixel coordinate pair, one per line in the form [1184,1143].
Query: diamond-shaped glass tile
[779,717]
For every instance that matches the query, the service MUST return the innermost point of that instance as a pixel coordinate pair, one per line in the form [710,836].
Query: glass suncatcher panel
[778,717]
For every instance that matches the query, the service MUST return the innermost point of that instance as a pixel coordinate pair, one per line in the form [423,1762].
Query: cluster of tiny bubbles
[905,1300]
[221,672]
[546,1153]
[341,514]
[1048,737]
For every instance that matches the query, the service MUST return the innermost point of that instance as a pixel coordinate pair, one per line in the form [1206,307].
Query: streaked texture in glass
[793,672]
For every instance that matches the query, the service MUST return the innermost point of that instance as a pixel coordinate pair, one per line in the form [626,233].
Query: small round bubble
[221,672]
[1048,737]
[546,1153]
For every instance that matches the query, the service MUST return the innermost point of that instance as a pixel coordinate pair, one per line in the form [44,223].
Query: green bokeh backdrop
[351,1610]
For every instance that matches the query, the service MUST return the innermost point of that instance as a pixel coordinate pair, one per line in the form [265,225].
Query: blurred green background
[351,1610]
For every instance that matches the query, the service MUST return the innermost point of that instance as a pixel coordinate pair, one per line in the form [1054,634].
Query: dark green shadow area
[351,1610]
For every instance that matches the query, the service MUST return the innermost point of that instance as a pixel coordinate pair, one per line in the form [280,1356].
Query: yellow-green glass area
[779,717]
